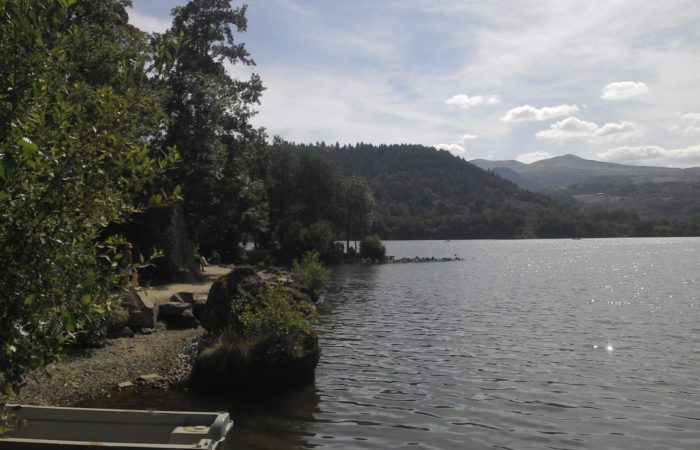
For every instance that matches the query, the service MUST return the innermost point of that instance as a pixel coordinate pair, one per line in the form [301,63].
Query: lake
[528,344]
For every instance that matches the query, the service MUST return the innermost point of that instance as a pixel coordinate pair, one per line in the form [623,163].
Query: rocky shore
[92,373]
[160,357]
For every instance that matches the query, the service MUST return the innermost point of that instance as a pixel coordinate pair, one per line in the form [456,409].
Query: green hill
[424,193]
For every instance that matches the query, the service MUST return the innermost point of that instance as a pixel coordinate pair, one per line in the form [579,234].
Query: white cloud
[466,102]
[335,107]
[567,129]
[455,149]
[528,158]
[623,90]
[530,113]
[147,23]
[652,155]
[617,132]
[468,137]
[575,129]
[688,124]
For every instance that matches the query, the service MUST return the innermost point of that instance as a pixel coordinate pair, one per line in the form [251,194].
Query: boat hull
[41,427]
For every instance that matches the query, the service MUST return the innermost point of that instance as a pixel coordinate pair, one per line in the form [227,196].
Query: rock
[199,307]
[297,294]
[224,290]
[125,385]
[178,315]
[172,309]
[237,364]
[198,302]
[143,312]
[149,378]
[182,297]
[124,332]
[166,229]
[239,358]
[184,320]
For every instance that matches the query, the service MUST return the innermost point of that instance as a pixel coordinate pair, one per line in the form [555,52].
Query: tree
[355,205]
[72,159]
[209,115]
[302,193]
[372,248]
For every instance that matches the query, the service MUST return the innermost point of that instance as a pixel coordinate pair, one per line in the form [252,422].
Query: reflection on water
[525,344]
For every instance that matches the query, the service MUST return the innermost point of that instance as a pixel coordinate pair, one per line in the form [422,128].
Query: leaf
[28,147]
[155,200]
[68,321]
[29,300]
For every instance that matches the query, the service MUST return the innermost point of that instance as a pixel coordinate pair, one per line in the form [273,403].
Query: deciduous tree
[72,159]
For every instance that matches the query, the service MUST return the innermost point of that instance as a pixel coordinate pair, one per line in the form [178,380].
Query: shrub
[271,317]
[310,273]
[269,342]
[373,248]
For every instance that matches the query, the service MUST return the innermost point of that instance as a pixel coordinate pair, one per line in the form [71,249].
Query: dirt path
[162,294]
[91,373]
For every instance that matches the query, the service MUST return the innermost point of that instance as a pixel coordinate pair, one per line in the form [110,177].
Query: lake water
[531,344]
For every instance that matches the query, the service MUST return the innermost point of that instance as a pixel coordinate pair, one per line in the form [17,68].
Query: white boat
[54,428]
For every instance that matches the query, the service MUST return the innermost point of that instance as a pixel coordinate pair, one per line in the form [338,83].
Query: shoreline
[88,373]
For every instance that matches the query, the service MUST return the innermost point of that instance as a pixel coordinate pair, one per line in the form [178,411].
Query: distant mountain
[648,193]
[561,172]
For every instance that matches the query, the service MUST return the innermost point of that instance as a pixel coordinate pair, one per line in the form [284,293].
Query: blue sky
[612,80]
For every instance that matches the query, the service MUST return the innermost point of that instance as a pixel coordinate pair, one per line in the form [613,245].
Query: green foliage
[272,316]
[423,193]
[118,317]
[73,158]
[209,122]
[301,188]
[310,273]
[355,206]
[372,248]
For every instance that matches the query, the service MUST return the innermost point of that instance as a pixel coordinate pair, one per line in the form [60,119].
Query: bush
[310,273]
[269,342]
[372,248]
[271,315]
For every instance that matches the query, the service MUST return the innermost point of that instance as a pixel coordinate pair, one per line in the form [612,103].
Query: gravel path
[92,373]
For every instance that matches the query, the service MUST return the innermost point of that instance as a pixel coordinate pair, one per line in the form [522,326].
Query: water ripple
[527,344]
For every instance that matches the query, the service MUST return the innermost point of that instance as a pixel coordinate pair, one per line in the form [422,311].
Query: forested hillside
[424,193]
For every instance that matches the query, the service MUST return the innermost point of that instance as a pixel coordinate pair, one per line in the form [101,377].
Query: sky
[610,80]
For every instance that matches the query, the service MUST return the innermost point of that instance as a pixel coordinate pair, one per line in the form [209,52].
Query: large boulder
[143,311]
[164,228]
[218,310]
[271,344]
[240,364]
